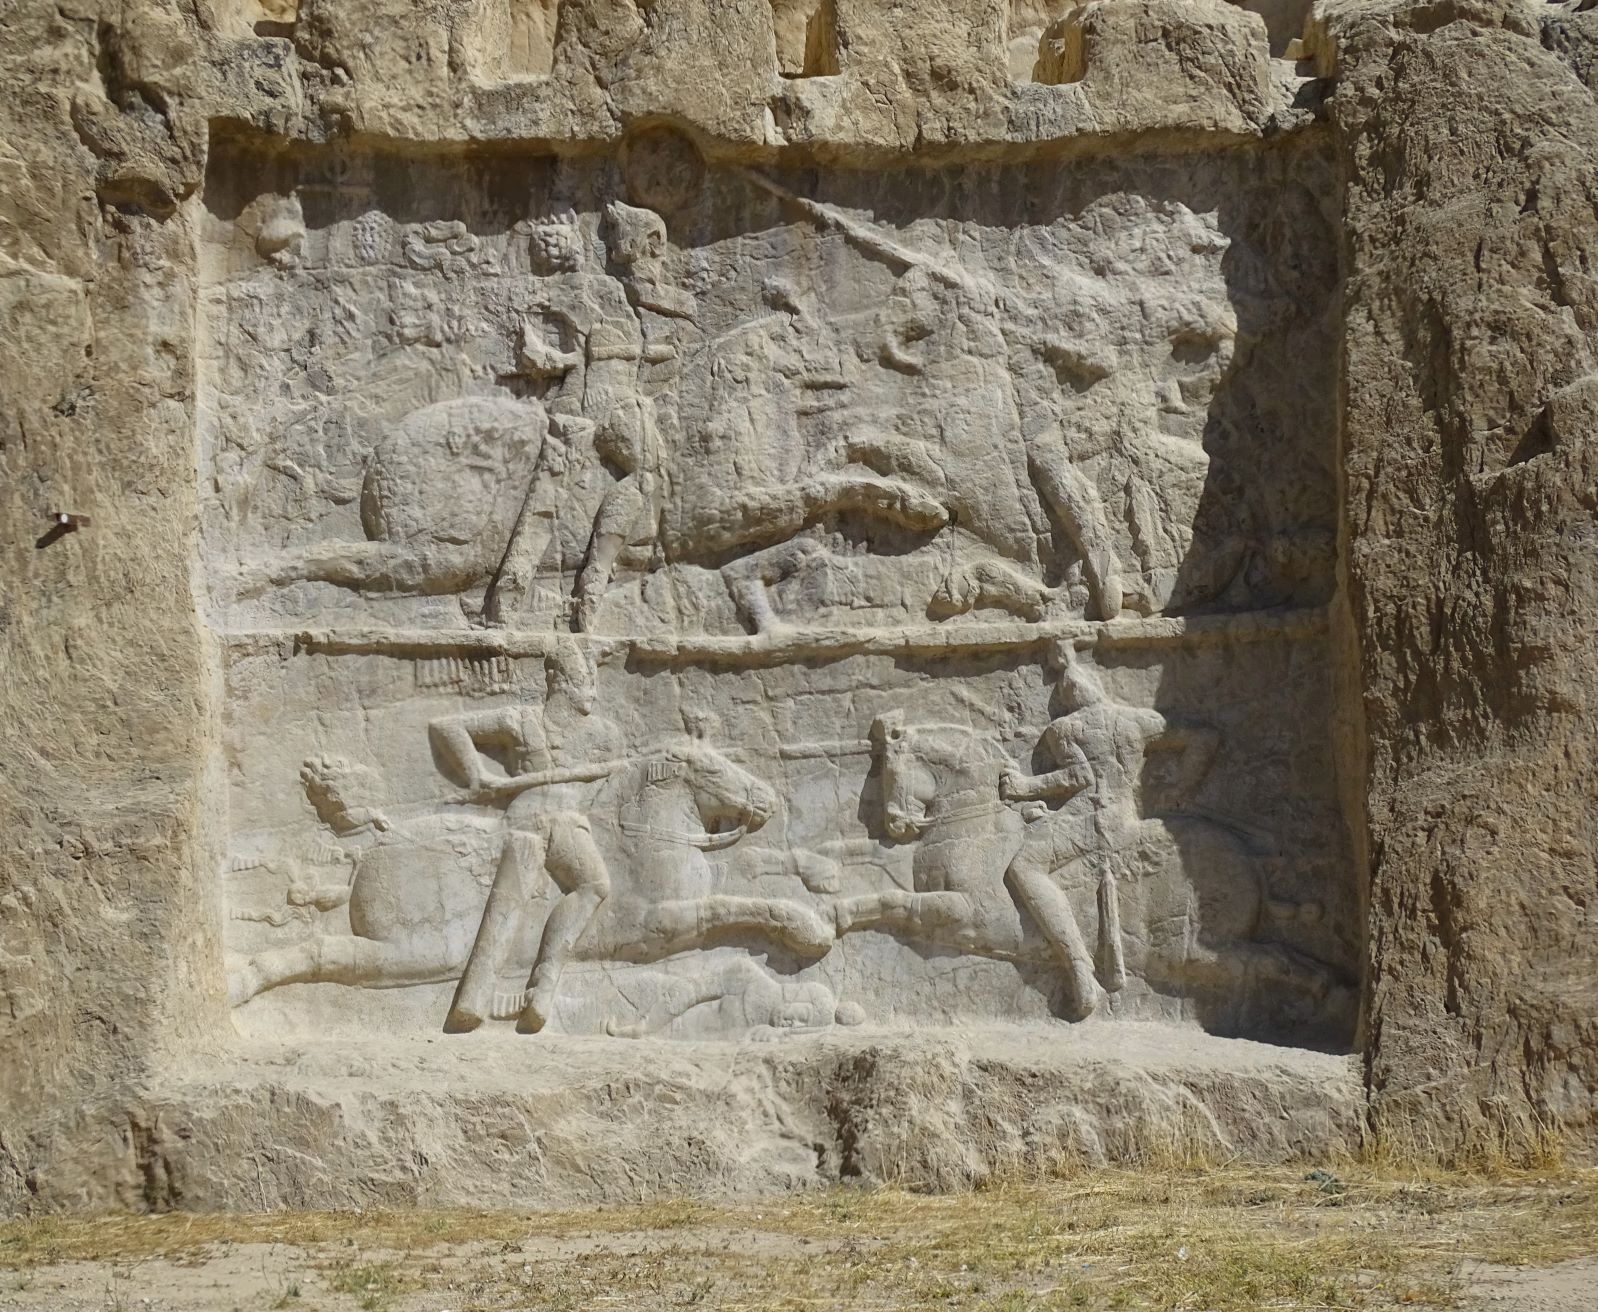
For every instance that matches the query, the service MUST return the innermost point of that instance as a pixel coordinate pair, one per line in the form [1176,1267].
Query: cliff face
[1283,353]
[1467,138]
[103,704]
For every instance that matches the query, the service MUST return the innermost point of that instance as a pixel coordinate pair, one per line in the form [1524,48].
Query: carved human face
[570,678]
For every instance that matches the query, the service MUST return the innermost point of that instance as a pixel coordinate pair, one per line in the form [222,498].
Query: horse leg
[1112,948]
[918,915]
[1035,888]
[372,567]
[337,959]
[792,924]
[579,870]
[521,862]
[684,923]
[989,583]
[868,493]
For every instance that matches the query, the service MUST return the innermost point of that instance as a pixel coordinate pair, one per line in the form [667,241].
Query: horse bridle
[705,842]
[659,772]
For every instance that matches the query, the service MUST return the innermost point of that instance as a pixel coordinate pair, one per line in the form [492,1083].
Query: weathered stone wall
[1470,153]
[1458,662]
[107,948]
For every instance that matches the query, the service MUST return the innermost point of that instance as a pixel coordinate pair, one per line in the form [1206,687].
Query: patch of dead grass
[1219,1238]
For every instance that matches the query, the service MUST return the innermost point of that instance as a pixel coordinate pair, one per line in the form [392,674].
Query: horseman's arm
[456,738]
[1072,776]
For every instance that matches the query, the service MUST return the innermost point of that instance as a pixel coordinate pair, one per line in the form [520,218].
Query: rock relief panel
[718,601]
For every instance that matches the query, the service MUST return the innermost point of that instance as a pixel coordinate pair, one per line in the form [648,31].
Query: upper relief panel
[638,396]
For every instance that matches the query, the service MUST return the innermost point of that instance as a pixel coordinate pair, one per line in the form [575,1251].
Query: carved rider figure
[549,832]
[611,333]
[1100,746]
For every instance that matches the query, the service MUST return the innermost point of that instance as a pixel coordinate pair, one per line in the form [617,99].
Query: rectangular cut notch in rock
[664,599]
[807,37]
[510,39]
[247,18]
[1028,23]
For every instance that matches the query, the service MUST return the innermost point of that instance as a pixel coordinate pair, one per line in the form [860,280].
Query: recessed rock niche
[726,601]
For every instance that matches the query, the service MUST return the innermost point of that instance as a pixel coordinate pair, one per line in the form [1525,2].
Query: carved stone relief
[659,598]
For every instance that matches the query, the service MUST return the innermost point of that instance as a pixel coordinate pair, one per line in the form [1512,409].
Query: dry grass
[1218,1238]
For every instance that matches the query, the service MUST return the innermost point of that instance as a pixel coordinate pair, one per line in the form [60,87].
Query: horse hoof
[461,1020]
[811,935]
[1078,1009]
[242,985]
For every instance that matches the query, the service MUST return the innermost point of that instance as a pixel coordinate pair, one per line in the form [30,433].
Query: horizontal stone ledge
[793,644]
[938,76]
[506,1120]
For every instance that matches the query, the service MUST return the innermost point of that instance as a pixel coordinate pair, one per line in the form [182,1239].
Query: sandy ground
[286,1276]
[1191,1239]
[1566,1287]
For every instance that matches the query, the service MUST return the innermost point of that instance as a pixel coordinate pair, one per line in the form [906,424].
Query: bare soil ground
[1215,1238]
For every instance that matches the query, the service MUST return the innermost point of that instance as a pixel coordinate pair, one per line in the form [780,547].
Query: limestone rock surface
[607,596]
[1470,386]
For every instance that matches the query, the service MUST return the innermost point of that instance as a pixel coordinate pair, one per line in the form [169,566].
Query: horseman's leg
[594,578]
[1076,503]
[516,881]
[575,864]
[626,513]
[1032,880]
[512,584]
[337,959]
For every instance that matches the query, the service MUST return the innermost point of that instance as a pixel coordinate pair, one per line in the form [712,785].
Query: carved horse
[441,493]
[940,791]
[414,913]
[1188,896]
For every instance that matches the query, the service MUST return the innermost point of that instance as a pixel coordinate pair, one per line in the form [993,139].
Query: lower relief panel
[572,844]
[661,600]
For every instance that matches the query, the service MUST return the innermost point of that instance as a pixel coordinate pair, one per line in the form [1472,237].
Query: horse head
[908,786]
[726,801]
